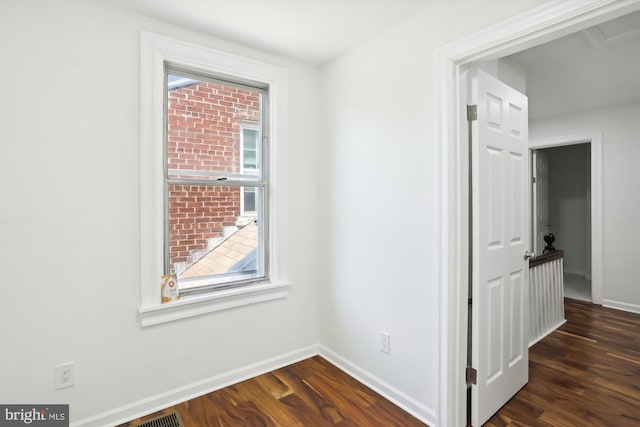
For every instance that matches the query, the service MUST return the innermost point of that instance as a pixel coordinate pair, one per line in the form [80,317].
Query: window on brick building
[215,180]
[250,149]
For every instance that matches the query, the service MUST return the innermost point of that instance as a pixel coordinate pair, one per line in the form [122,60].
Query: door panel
[500,238]
[496,193]
[517,330]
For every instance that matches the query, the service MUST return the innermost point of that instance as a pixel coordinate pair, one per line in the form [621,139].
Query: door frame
[544,23]
[597,236]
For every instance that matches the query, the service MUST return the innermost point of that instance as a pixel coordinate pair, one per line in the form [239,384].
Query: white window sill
[196,305]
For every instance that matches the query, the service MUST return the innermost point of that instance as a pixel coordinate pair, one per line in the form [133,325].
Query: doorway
[520,33]
[584,264]
[561,208]
[561,199]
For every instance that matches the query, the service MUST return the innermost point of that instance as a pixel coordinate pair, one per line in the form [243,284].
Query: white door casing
[500,238]
[596,213]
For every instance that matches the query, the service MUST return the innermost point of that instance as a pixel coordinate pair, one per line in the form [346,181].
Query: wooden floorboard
[312,392]
[586,373]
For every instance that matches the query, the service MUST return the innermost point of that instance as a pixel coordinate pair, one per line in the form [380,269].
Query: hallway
[577,287]
[583,374]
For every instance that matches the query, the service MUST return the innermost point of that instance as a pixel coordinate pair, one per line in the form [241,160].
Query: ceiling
[589,69]
[594,68]
[310,31]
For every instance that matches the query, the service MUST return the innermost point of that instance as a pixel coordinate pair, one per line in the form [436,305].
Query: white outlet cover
[385,343]
[64,375]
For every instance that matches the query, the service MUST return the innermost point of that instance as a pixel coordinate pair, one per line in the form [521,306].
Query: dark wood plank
[312,392]
[587,373]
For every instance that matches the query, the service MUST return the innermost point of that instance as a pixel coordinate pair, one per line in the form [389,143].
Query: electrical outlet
[64,375]
[385,342]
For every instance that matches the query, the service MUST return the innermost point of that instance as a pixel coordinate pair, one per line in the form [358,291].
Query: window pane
[250,150]
[209,241]
[248,201]
[204,129]
[250,160]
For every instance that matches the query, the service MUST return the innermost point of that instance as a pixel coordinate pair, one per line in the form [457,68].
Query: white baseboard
[633,308]
[160,401]
[412,406]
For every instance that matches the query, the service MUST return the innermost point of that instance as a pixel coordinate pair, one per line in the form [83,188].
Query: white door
[540,194]
[500,238]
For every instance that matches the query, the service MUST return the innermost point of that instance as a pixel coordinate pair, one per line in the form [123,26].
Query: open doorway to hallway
[517,35]
[562,206]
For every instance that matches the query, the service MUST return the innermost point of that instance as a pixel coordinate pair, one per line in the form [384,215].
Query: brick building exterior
[204,135]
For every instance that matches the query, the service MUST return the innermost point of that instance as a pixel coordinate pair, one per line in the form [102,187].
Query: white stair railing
[546,295]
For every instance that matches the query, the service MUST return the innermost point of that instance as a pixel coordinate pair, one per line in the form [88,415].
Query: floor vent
[168,420]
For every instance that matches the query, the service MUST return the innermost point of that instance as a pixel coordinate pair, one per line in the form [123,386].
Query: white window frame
[155,51]
[255,127]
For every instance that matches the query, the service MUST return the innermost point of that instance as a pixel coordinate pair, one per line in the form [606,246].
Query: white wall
[569,205]
[379,202]
[69,232]
[364,254]
[508,72]
[620,153]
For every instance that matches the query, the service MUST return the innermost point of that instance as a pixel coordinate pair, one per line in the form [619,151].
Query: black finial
[549,239]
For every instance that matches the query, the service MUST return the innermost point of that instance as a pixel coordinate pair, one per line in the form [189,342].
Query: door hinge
[471,376]
[472,113]
[533,179]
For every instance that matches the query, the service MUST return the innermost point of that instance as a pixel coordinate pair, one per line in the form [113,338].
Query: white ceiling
[589,69]
[594,68]
[311,31]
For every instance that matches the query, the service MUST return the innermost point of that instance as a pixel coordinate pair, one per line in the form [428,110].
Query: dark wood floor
[586,373]
[308,393]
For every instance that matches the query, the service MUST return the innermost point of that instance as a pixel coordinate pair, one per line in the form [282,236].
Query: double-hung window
[213,204]
[216,180]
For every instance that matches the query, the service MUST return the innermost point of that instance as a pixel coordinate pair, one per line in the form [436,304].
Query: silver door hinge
[472,113]
[471,376]
[533,179]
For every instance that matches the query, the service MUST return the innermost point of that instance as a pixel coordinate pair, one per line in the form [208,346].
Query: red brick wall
[204,135]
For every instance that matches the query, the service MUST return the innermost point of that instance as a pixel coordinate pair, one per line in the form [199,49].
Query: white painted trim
[169,398]
[632,308]
[453,272]
[547,22]
[597,207]
[195,305]
[196,389]
[598,39]
[155,50]
[404,401]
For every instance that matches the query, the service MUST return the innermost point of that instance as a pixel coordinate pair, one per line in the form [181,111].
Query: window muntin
[215,181]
